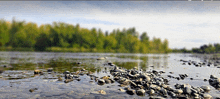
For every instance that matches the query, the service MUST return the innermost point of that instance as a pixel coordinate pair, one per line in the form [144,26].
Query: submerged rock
[33,89]
[102,92]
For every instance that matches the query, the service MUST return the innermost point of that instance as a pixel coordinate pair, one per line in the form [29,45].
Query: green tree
[42,42]
[4,32]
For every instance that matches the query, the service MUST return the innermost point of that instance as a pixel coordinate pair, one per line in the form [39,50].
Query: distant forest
[59,36]
[210,48]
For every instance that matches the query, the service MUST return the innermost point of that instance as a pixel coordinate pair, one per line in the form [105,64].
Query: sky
[186,24]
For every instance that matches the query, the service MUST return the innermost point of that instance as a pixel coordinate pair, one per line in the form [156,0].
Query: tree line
[206,48]
[60,35]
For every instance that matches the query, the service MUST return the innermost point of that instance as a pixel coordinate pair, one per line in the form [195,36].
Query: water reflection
[68,61]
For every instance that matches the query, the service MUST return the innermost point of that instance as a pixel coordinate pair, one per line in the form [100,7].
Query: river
[18,76]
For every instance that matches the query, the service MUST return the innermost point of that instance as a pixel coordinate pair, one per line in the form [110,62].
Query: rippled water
[19,77]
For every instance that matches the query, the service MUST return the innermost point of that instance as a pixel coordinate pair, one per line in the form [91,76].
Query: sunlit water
[23,64]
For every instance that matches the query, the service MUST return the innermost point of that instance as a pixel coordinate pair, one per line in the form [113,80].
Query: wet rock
[68,80]
[68,76]
[83,69]
[171,72]
[49,69]
[156,97]
[107,81]
[101,81]
[101,58]
[81,74]
[213,77]
[79,63]
[66,72]
[140,92]
[122,90]
[125,83]
[182,97]
[146,85]
[169,76]
[145,77]
[172,94]
[206,88]
[182,76]
[164,86]
[75,76]
[78,79]
[207,96]
[89,73]
[116,69]
[196,96]
[214,82]
[177,86]
[105,77]
[155,87]
[132,84]
[151,92]
[60,79]
[112,81]
[33,89]
[122,80]
[111,64]
[186,85]
[163,92]
[37,71]
[187,90]
[130,91]
[162,72]
[1,70]
[189,63]
[155,72]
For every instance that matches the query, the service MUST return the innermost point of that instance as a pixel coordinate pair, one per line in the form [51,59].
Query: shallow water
[19,77]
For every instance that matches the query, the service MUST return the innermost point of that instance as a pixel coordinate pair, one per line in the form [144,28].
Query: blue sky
[185,24]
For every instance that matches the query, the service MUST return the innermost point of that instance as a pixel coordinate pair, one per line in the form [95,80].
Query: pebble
[206,88]
[122,90]
[141,92]
[33,89]
[102,92]
[207,96]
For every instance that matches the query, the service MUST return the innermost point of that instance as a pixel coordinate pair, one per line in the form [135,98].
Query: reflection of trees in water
[158,62]
[127,65]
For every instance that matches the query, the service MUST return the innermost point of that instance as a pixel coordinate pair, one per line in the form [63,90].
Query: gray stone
[206,88]
[207,96]
[187,90]
[141,92]
[101,81]
[130,91]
